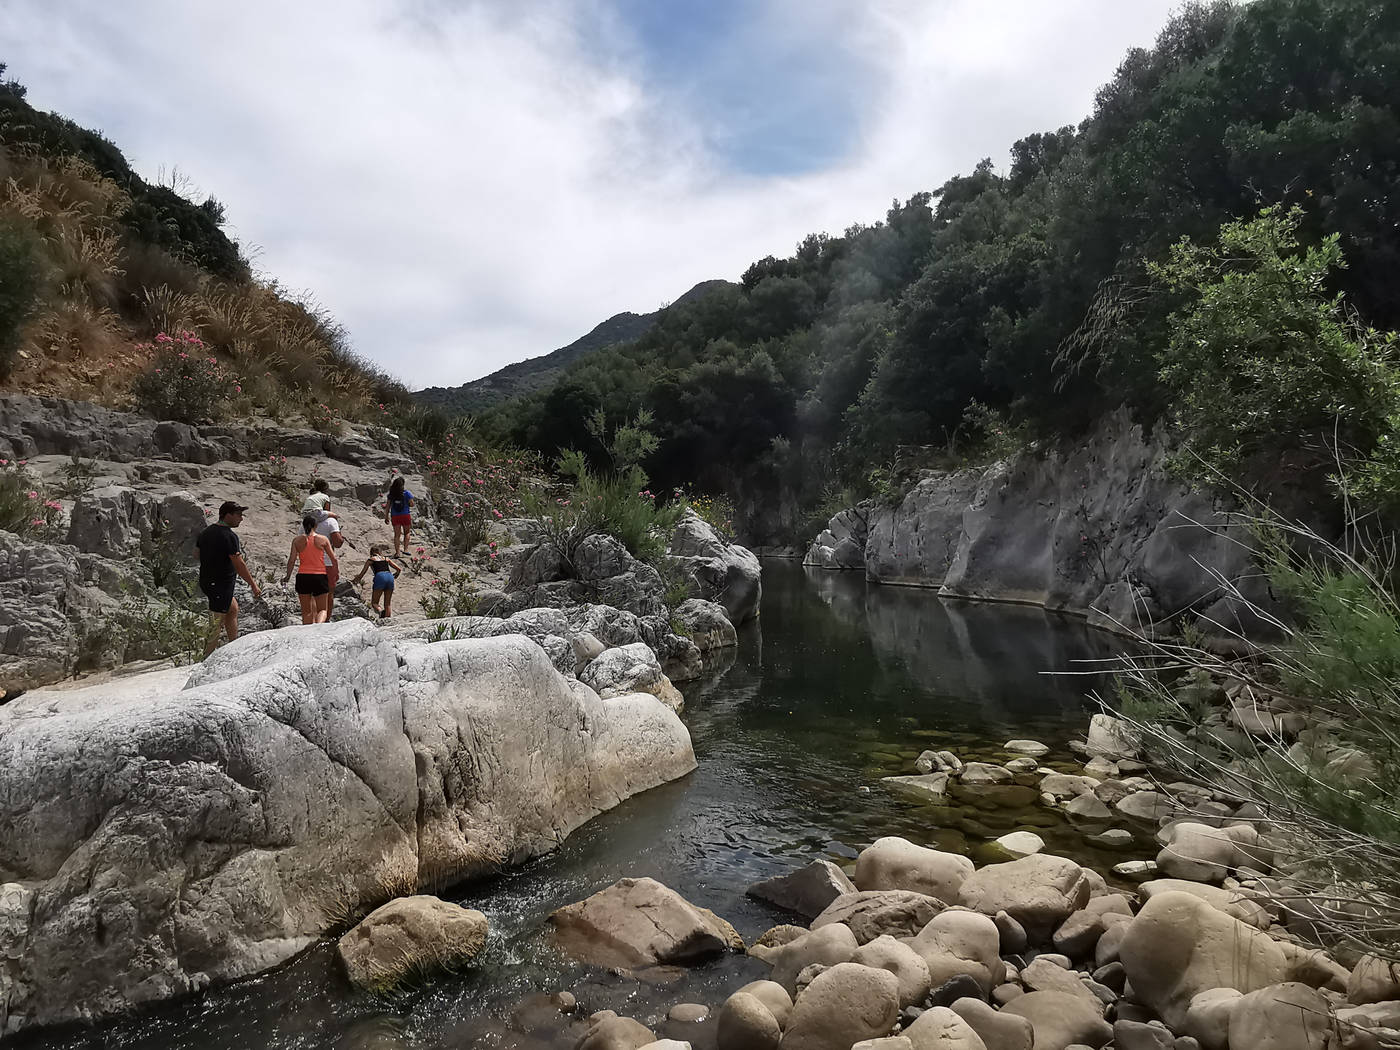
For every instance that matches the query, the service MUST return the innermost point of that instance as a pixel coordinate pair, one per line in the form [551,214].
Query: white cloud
[466,184]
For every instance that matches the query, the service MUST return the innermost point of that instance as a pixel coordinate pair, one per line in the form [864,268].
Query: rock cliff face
[181,828]
[1099,529]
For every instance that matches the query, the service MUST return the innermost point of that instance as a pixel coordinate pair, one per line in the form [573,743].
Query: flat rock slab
[640,922]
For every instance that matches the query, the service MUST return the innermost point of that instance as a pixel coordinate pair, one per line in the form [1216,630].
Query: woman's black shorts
[313,583]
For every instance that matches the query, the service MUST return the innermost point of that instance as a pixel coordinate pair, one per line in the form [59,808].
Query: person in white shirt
[328,527]
[319,502]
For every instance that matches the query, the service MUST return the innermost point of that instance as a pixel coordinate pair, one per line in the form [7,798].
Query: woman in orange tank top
[308,556]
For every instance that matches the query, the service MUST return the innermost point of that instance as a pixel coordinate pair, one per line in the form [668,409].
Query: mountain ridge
[534,373]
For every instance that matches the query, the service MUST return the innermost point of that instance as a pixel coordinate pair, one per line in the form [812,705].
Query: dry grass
[104,292]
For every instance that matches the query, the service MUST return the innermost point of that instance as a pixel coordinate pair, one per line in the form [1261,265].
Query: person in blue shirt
[399,514]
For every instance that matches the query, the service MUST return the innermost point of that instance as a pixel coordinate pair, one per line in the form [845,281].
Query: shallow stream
[839,684]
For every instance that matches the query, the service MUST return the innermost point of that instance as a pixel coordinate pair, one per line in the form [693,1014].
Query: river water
[838,684]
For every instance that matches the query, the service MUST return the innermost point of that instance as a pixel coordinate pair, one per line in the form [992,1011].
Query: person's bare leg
[231,619]
[388,600]
[323,608]
[308,608]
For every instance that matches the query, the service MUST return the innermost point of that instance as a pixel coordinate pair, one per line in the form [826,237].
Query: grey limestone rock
[186,827]
[723,572]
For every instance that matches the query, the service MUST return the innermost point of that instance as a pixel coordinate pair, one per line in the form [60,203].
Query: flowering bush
[321,416]
[25,508]
[418,561]
[453,596]
[718,513]
[474,487]
[184,381]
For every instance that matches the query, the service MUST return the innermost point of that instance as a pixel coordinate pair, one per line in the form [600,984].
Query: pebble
[688,1013]
[963,986]
[1022,765]
[567,1002]
[1113,838]
[1034,748]
[1021,843]
[1004,993]
[863,790]
[1141,870]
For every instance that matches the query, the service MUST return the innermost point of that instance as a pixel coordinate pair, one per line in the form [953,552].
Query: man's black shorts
[219,593]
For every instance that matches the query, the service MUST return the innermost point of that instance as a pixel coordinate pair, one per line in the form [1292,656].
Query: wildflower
[37,522]
[237,389]
[420,550]
[53,504]
[163,338]
[32,494]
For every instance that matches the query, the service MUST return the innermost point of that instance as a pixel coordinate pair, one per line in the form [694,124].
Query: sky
[467,183]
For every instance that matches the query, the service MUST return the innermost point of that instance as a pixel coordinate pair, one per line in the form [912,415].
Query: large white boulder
[724,572]
[1179,946]
[182,828]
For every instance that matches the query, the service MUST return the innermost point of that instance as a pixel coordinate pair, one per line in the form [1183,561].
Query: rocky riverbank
[106,584]
[915,948]
[1099,529]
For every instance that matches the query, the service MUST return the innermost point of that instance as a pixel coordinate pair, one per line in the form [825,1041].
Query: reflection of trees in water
[994,654]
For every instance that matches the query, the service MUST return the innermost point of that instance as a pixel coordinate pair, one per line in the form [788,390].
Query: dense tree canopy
[1031,291]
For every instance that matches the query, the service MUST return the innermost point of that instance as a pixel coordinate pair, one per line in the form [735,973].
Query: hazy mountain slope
[522,377]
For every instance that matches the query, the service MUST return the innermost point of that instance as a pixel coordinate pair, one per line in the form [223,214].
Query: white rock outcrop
[181,828]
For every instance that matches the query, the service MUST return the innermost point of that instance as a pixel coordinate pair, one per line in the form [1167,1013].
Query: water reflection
[837,685]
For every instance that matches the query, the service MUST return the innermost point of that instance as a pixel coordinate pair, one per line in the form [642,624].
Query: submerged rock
[409,937]
[640,922]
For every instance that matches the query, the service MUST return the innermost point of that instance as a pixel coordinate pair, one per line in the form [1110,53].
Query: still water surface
[839,684]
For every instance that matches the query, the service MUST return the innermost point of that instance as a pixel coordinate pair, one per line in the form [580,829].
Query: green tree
[1262,356]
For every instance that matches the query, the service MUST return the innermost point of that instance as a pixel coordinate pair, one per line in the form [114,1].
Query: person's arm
[363,569]
[393,565]
[240,567]
[291,560]
[330,549]
[407,502]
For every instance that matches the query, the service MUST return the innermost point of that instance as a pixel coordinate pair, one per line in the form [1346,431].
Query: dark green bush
[20,280]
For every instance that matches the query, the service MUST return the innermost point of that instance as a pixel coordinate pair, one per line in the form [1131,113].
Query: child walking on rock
[385,573]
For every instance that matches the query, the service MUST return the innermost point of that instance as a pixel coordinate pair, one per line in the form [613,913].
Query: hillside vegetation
[536,373]
[1026,301]
[96,263]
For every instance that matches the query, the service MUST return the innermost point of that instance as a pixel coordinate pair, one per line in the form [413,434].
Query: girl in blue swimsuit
[385,573]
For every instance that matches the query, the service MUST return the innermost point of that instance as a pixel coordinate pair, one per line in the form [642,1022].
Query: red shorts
[400,519]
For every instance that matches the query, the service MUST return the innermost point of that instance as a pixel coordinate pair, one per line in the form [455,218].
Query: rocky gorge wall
[185,827]
[1099,529]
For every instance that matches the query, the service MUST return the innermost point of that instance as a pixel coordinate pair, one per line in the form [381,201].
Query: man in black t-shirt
[220,561]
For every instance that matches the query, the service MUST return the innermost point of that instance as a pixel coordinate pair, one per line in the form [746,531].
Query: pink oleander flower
[53,504]
[32,494]
[37,522]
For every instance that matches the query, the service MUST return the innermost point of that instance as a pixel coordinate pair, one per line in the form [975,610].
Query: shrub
[453,596]
[184,381]
[156,630]
[718,513]
[20,280]
[321,416]
[25,508]
[1330,795]
[78,476]
[617,504]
